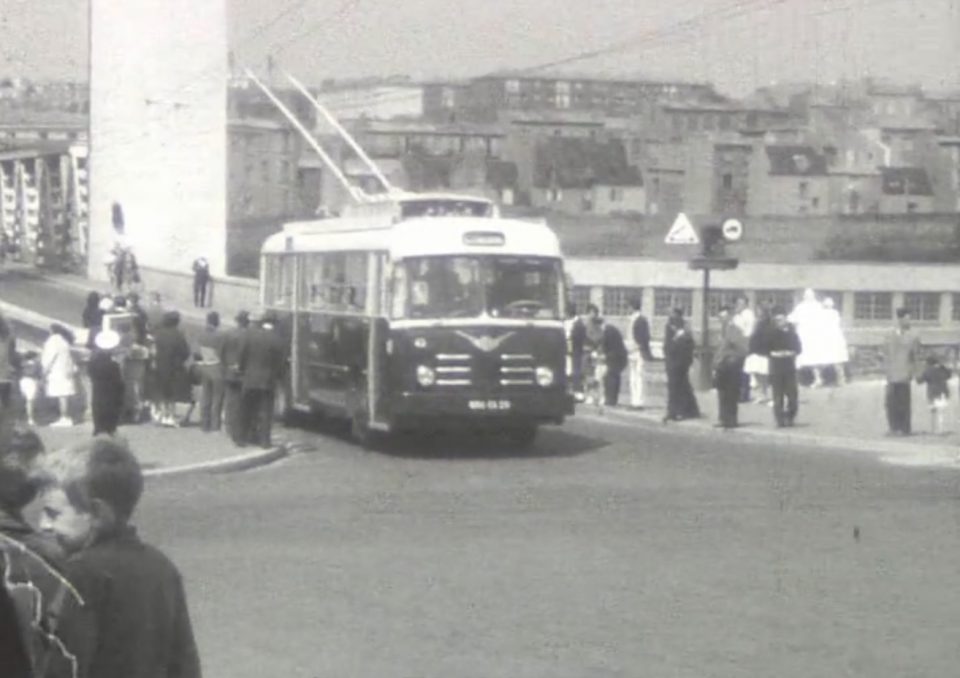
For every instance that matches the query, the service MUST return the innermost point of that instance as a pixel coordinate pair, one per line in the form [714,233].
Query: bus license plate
[489,405]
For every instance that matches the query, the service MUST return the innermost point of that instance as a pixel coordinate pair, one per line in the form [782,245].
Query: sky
[737,44]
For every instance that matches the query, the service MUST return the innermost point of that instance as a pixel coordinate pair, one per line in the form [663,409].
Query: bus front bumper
[547,407]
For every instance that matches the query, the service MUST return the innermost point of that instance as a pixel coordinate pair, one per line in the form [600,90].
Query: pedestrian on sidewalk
[678,350]
[171,355]
[59,370]
[576,338]
[781,344]
[757,364]
[262,364]
[211,373]
[133,594]
[809,319]
[746,320]
[640,353]
[901,351]
[728,372]
[31,375]
[837,352]
[201,280]
[92,317]
[233,343]
[9,365]
[935,376]
[106,384]
[614,352]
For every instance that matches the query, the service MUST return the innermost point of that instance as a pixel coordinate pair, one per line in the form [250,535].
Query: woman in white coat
[59,370]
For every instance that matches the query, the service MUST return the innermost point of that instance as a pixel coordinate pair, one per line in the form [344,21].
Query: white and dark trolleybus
[434,318]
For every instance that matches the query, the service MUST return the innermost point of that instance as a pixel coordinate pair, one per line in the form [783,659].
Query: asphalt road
[605,551]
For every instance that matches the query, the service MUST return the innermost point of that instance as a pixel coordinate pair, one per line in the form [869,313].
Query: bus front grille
[516,369]
[454,369]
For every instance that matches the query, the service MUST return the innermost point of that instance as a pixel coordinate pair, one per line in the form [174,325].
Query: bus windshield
[471,286]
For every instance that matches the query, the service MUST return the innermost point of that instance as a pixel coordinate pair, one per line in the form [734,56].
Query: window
[579,296]
[335,281]
[727,181]
[955,311]
[616,194]
[279,280]
[617,300]
[512,86]
[815,202]
[554,195]
[469,286]
[782,298]
[923,306]
[803,189]
[665,299]
[562,100]
[720,298]
[873,306]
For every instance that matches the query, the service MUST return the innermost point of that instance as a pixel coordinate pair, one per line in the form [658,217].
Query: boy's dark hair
[636,304]
[213,319]
[102,468]
[18,454]
[593,308]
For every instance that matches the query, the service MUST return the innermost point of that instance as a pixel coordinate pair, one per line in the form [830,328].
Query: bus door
[333,330]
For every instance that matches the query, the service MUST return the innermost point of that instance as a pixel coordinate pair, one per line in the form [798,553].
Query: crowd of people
[759,356]
[135,365]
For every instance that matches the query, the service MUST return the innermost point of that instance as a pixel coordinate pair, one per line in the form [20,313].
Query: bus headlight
[545,376]
[426,376]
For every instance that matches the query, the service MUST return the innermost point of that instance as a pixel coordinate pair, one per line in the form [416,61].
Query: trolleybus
[423,322]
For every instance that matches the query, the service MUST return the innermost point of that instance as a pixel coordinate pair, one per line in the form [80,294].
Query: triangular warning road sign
[682,232]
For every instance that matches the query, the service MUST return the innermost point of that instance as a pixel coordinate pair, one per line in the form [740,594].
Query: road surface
[607,550]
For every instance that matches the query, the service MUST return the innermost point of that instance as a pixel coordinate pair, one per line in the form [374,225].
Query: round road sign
[732,229]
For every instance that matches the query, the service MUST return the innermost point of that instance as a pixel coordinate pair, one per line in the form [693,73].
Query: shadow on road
[550,442]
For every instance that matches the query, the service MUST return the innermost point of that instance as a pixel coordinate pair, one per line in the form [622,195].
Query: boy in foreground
[136,621]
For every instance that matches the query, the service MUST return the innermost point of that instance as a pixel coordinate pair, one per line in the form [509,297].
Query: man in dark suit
[233,385]
[262,361]
[615,358]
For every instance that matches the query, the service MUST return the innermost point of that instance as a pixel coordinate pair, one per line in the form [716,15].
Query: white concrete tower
[158,116]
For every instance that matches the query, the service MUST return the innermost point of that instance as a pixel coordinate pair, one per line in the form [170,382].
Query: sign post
[712,258]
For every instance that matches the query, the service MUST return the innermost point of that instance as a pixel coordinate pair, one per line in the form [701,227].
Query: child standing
[137,618]
[935,376]
[30,375]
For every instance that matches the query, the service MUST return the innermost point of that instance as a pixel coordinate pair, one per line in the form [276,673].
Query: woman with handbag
[59,370]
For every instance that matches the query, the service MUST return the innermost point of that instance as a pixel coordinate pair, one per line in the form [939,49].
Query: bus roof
[423,236]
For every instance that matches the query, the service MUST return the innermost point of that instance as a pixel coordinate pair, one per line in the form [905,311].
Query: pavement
[849,417]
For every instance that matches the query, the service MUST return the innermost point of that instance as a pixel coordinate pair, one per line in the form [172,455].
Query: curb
[939,455]
[240,462]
